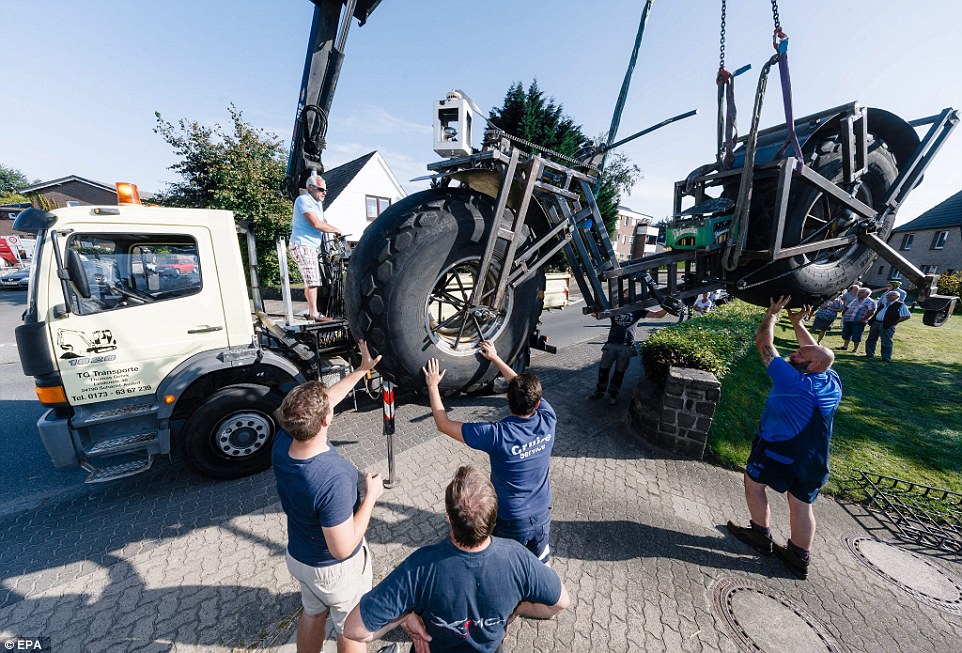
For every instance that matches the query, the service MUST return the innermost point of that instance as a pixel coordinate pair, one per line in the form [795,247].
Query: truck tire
[408,281]
[816,276]
[231,433]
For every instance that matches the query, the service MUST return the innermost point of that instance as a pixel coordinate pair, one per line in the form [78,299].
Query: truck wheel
[231,433]
[409,281]
[818,275]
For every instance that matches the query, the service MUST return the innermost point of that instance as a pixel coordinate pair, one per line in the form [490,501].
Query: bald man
[790,451]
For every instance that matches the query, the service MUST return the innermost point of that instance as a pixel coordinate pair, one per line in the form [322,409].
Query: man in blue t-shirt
[461,593]
[790,450]
[326,551]
[519,448]
[308,227]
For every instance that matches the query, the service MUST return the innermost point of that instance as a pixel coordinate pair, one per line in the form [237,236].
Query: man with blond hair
[326,551]
[790,450]
[461,593]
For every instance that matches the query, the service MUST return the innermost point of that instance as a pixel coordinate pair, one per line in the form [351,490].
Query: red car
[177,265]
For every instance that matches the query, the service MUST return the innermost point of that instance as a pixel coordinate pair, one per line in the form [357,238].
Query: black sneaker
[753,538]
[795,564]
[594,396]
[612,400]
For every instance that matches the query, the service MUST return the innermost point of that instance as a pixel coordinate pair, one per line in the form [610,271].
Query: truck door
[139,321]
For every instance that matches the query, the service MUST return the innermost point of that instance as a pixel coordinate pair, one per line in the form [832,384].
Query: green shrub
[712,342]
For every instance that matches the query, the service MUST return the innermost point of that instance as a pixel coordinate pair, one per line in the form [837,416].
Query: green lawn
[901,419]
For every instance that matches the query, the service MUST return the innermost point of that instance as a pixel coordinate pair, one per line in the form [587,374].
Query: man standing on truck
[519,448]
[308,227]
[326,551]
[790,450]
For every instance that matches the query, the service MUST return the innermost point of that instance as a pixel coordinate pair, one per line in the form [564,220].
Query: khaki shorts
[337,587]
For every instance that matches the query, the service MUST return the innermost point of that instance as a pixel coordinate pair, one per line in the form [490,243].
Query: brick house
[72,191]
[932,242]
[634,235]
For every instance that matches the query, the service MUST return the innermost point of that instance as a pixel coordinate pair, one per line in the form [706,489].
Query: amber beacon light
[127,193]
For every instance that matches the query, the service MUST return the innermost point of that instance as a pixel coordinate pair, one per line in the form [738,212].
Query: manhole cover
[761,619]
[909,572]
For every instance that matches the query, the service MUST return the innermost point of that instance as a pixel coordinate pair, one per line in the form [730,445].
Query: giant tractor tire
[813,277]
[409,281]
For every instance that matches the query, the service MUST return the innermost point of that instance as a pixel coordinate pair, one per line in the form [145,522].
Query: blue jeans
[532,532]
[875,332]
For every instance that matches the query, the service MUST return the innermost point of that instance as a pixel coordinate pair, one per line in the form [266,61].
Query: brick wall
[677,418]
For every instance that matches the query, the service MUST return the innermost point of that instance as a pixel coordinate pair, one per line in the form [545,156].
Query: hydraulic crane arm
[325,54]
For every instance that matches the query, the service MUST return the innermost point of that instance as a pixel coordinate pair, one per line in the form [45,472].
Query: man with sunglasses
[308,227]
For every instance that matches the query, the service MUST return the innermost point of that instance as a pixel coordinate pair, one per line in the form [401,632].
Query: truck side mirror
[77,274]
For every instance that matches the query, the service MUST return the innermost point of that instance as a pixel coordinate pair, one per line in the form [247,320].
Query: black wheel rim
[452,324]
[825,219]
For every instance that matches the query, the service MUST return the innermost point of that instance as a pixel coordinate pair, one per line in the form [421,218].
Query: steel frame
[574,223]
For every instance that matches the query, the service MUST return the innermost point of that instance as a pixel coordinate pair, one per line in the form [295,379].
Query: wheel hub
[243,434]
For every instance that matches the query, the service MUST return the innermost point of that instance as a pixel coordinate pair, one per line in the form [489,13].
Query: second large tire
[409,277]
[811,278]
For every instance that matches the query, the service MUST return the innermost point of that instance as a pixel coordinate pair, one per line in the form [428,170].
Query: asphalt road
[29,476]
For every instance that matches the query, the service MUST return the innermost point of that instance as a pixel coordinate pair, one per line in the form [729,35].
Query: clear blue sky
[82,78]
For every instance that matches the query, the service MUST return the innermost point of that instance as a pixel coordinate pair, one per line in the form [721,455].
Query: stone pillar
[679,418]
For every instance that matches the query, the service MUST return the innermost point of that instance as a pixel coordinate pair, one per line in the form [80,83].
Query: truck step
[123,443]
[104,474]
[113,414]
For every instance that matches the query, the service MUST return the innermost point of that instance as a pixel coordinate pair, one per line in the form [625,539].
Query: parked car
[175,265]
[16,280]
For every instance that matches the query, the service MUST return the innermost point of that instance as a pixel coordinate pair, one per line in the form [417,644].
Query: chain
[778,22]
[721,45]
[544,150]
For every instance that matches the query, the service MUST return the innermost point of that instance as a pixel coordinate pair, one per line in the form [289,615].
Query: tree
[539,119]
[240,169]
[11,180]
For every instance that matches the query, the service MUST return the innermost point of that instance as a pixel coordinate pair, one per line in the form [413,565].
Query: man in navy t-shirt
[519,448]
[618,350]
[461,593]
[326,551]
[790,451]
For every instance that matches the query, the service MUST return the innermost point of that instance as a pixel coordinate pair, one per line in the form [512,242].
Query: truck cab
[121,348]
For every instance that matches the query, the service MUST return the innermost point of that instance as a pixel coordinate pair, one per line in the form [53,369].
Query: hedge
[712,342]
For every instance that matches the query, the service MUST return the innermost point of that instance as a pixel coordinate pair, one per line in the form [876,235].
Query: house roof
[63,180]
[940,216]
[338,178]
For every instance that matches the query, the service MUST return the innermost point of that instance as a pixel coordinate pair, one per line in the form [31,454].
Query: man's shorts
[785,466]
[306,258]
[823,323]
[853,331]
[338,587]
[531,532]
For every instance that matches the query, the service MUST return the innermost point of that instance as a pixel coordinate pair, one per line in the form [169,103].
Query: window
[374,206]
[939,241]
[881,269]
[73,203]
[126,270]
[930,269]
[907,241]
[895,274]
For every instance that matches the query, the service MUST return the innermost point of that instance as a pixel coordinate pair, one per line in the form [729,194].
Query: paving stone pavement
[170,562]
